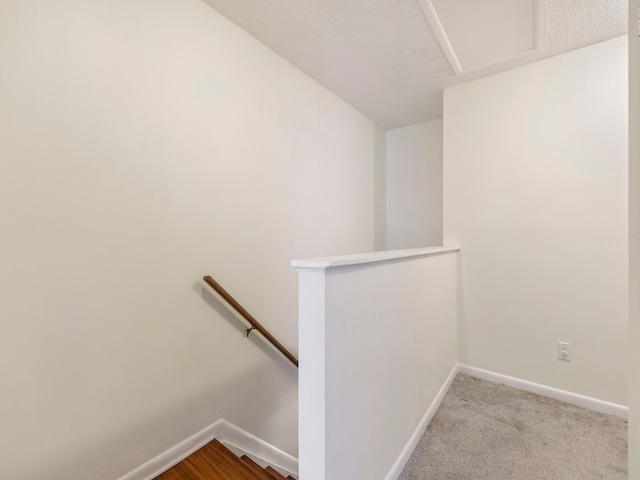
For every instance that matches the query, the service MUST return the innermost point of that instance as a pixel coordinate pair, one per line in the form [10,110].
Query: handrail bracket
[255,325]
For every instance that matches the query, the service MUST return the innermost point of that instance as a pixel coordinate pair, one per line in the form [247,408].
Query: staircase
[214,461]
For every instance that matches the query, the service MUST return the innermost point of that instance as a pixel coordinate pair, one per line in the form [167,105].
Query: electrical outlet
[564,351]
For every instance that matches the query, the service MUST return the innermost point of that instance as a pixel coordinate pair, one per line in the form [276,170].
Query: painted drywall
[634,243]
[414,185]
[144,145]
[378,341]
[535,194]
[380,200]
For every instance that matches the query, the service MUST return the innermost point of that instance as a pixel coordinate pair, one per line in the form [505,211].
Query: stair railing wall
[378,334]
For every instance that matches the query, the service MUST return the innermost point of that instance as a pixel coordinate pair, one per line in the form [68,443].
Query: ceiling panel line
[431,15]
[391,59]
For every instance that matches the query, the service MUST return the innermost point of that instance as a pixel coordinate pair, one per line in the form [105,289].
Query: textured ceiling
[382,57]
[486,32]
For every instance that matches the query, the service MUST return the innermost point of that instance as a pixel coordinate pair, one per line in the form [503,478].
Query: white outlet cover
[564,351]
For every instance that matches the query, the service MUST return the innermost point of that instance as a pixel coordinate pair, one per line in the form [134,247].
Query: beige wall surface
[535,194]
[143,145]
[380,209]
[414,185]
[634,243]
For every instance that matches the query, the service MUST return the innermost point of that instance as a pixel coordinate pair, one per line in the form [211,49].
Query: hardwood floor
[216,462]
[274,474]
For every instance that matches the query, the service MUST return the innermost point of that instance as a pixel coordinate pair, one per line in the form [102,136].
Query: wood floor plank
[260,473]
[275,474]
[212,462]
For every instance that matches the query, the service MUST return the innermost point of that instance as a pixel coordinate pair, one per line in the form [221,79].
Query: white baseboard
[174,455]
[224,432]
[568,397]
[239,439]
[564,396]
[397,468]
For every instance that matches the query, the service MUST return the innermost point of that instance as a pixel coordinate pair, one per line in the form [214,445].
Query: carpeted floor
[488,431]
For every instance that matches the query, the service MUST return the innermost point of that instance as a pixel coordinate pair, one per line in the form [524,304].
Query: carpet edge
[594,404]
[402,460]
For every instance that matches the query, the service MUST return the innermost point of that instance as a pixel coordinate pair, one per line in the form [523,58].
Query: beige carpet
[487,431]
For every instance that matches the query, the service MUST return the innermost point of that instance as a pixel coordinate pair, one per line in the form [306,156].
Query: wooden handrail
[249,318]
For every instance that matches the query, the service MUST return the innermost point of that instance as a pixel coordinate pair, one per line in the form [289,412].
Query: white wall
[634,243]
[380,209]
[144,145]
[377,342]
[414,185]
[535,194]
